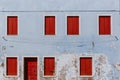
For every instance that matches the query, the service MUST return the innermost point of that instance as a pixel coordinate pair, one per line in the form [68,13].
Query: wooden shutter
[104,25]
[49,25]
[73,25]
[85,66]
[49,66]
[12,25]
[11,65]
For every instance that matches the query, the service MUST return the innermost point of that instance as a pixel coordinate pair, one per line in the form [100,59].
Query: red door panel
[12,25]
[30,69]
[11,66]
[49,66]
[49,25]
[73,25]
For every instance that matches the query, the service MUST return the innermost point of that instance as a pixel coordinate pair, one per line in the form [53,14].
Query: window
[104,25]
[86,66]
[12,25]
[11,66]
[73,25]
[49,25]
[49,66]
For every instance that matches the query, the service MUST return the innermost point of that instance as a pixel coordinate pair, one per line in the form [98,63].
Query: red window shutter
[49,66]
[73,25]
[82,66]
[89,66]
[101,25]
[49,25]
[107,25]
[11,66]
[12,25]
[85,66]
[104,25]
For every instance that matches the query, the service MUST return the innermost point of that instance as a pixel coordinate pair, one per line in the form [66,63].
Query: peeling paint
[67,69]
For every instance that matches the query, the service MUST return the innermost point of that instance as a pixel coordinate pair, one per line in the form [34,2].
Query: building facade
[60,40]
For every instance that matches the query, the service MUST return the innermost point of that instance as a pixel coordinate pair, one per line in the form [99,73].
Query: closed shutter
[85,66]
[49,25]
[104,25]
[73,25]
[11,66]
[49,66]
[12,25]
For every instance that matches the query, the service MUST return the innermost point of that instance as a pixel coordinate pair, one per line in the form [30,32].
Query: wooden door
[30,69]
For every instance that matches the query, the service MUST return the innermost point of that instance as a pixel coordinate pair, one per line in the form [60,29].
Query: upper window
[72,25]
[104,25]
[49,25]
[12,25]
[11,66]
[86,66]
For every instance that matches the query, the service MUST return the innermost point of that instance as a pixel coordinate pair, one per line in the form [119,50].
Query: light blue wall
[59,4]
[32,41]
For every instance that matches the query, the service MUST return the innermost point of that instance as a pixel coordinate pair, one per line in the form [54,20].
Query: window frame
[66,22]
[92,66]
[44,29]
[43,65]
[6,66]
[99,26]
[12,16]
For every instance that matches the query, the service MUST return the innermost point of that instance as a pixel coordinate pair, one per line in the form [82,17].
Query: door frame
[23,57]
[43,66]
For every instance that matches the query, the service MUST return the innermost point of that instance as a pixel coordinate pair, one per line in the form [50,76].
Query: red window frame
[12,25]
[104,25]
[49,25]
[11,66]
[86,66]
[72,25]
[49,66]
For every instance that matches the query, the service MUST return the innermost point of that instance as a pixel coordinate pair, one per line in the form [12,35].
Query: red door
[30,69]
[49,66]
[86,66]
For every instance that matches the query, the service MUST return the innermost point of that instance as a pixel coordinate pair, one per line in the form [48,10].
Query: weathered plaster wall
[67,68]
